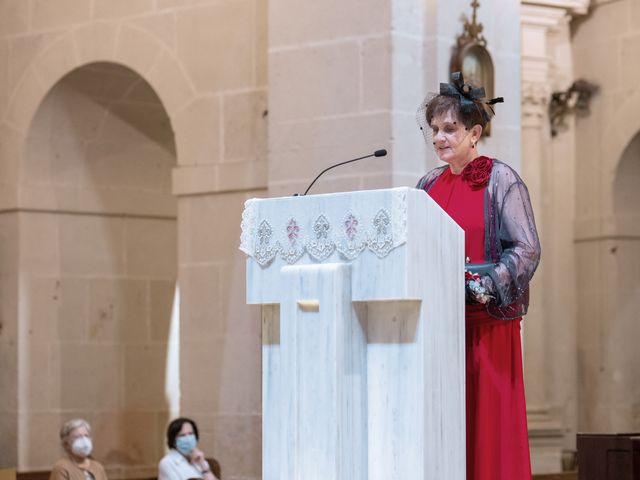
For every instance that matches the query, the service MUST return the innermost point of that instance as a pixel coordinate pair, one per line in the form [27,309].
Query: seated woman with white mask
[184,460]
[77,464]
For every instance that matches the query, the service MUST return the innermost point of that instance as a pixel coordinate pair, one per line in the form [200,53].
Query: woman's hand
[197,458]
[478,289]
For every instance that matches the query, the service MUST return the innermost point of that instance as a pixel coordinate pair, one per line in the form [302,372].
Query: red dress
[497,437]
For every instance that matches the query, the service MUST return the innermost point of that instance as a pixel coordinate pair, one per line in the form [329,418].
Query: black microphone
[377,153]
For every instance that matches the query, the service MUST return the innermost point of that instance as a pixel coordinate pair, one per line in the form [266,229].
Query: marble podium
[363,335]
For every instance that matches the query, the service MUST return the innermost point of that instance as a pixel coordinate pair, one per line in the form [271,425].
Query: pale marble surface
[392,327]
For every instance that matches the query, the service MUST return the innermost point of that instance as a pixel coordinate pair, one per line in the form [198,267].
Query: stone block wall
[220,335]
[117,117]
[131,134]
[96,269]
[608,219]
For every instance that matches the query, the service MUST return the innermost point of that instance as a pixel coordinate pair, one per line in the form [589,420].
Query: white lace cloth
[319,226]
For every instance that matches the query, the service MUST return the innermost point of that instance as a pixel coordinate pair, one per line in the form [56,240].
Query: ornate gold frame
[471,57]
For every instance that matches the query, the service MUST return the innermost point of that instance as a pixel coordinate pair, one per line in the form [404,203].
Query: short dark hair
[470,114]
[174,428]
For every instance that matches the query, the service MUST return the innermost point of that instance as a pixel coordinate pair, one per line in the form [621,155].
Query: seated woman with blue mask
[184,460]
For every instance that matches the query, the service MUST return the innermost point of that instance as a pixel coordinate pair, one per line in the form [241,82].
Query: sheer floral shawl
[512,247]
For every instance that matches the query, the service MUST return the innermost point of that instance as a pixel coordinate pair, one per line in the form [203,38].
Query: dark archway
[98,262]
[621,285]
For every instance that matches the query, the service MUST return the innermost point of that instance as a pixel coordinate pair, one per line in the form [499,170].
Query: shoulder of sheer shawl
[503,181]
[502,175]
[427,180]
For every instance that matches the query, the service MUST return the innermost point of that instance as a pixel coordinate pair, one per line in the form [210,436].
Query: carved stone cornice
[536,24]
[535,14]
[534,99]
[538,19]
[572,7]
[535,93]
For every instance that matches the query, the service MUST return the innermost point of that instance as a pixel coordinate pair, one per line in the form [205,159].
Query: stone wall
[97,268]
[549,169]
[605,46]
[126,127]
[100,214]
[346,79]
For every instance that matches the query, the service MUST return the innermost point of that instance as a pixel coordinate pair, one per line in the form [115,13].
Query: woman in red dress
[491,204]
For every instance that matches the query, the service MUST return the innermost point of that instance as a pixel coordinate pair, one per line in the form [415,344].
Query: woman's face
[186,429]
[451,140]
[75,434]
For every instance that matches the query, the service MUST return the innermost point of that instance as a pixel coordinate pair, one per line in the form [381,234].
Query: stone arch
[621,263]
[125,45]
[619,133]
[615,139]
[608,309]
[70,161]
[626,195]
[98,263]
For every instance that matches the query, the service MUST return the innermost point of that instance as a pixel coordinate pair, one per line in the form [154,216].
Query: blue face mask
[186,444]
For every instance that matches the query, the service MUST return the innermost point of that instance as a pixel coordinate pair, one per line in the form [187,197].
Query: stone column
[550,326]
[9,405]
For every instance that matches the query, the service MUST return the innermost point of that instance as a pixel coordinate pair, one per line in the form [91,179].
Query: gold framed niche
[471,57]
[476,65]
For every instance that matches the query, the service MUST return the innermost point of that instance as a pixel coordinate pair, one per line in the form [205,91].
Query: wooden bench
[557,476]
[605,456]
[44,474]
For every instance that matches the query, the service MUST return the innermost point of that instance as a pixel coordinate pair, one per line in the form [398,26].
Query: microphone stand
[377,153]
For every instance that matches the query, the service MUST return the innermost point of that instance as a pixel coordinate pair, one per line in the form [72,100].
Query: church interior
[133,131]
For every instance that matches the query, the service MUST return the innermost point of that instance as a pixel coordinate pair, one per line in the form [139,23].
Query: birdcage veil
[472,103]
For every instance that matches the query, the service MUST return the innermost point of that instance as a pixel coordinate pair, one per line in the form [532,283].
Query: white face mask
[82,447]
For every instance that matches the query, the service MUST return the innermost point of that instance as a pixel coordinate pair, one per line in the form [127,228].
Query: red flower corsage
[471,276]
[477,173]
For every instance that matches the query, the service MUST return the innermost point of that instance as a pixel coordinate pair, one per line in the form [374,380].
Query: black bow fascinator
[472,102]
[470,96]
